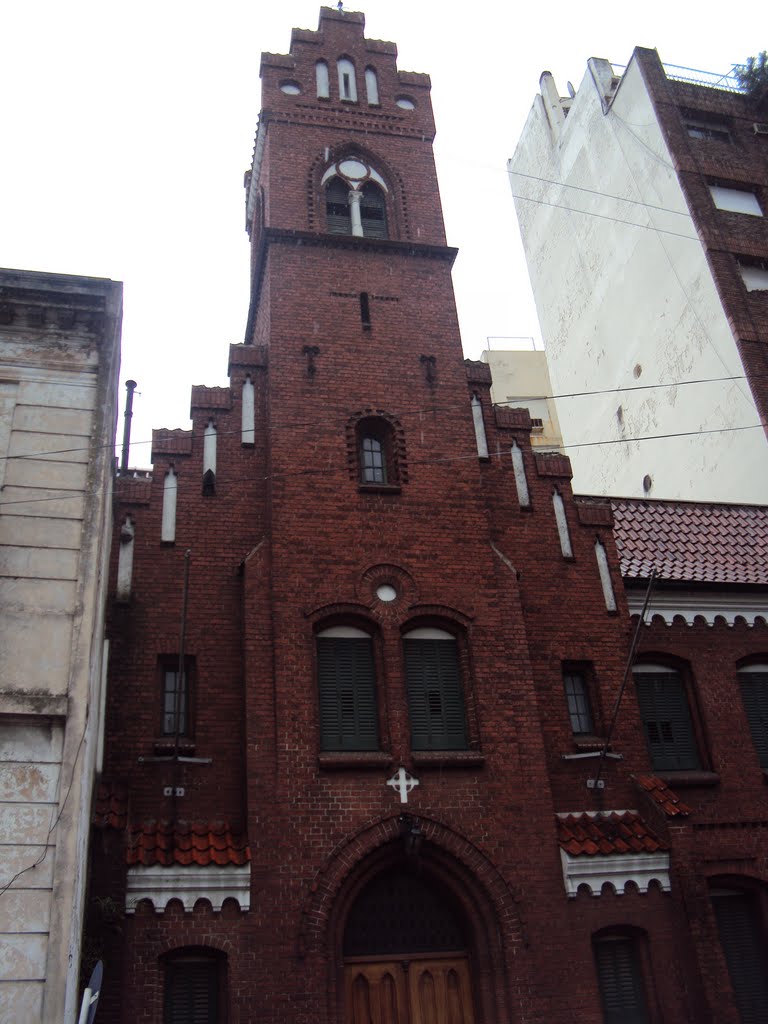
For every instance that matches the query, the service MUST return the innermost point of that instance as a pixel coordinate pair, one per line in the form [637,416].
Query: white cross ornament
[403,783]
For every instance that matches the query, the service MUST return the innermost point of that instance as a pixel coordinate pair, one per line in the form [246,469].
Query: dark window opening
[754,695]
[743,941]
[193,990]
[365,310]
[377,462]
[338,218]
[373,212]
[176,697]
[666,719]
[579,710]
[620,980]
[347,685]
[435,693]
[346,85]
[209,483]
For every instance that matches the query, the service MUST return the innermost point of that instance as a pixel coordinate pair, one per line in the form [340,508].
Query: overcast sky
[126,130]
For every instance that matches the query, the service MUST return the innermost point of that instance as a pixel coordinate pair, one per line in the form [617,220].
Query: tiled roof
[659,791]
[199,842]
[610,833]
[110,809]
[695,542]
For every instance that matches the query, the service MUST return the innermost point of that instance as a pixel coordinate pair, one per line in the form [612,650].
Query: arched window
[338,217]
[435,690]
[322,81]
[194,988]
[753,680]
[347,83]
[372,87]
[619,967]
[346,677]
[666,717]
[373,211]
[373,463]
[742,936]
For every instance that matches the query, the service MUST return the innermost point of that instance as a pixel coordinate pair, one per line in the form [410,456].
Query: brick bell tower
[341,793]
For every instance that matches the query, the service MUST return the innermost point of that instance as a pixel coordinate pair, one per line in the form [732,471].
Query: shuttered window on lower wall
[435,692]
[193,991]
[347,683]
[743,940]
[754,694]
[620,980]
[667,723]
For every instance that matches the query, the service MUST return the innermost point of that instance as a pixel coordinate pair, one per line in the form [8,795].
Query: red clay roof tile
[696,542]
[110,808]
[611,833]
[659,791]
[198,842]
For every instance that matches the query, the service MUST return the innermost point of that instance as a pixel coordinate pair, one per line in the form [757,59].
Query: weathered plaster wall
[59,356]
[626,300]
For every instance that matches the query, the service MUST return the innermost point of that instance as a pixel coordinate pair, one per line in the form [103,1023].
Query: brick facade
[292,541]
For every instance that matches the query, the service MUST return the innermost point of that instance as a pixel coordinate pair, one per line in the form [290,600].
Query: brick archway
[484,898]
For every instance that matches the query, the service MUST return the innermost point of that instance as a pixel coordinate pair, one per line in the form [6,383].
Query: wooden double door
[422,989]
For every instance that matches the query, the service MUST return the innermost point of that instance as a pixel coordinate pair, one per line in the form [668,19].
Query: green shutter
[435,697]
[754,693]
[192,992]
[667,721]
[743,945]
[346,678]
[620,982]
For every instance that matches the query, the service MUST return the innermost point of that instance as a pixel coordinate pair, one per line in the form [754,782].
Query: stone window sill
[448,758]
[342,759]
[689,778]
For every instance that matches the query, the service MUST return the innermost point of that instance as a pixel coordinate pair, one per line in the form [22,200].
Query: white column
[125,560]
[477,417]
[209,449]
[562,525]
[168,528]
[605,576]
[518,467]
[355,198]
[248,411]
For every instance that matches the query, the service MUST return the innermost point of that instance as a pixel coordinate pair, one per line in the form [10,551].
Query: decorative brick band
[594,513]
[477,372]
[171,442]
[512,419]
[210,398]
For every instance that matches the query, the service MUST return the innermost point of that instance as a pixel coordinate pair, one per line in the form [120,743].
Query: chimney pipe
[130,386]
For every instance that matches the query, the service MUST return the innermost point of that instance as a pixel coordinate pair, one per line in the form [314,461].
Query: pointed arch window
[322,80]
[373,211]
[338,216]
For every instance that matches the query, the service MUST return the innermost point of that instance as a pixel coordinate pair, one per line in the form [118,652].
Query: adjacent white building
[59,359]
[521,381]
[641,275]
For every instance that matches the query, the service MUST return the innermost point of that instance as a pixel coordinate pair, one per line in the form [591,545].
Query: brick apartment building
[642,204]
[366,644]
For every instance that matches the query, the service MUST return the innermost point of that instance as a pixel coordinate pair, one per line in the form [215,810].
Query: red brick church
[362,763]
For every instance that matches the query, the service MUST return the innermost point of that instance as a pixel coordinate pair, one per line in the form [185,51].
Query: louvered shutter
[435,697]
[373,212]
[740,936]
[667,721]
[347,683]
[192,992]
[620,982]
[754,693]
[337,216]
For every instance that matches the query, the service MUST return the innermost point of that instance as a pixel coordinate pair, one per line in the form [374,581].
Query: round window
[386,592]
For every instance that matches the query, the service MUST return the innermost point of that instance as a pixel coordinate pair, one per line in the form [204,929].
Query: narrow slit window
[248,424]
[521,483]
[176,696]
[168,526]
[605,576]
[372,87]
[365,311]
[209,460]
[347,83]
[125,560]
[322,81]
[579,710]
[477,419]
[337,213]
[373,211]
[562,525]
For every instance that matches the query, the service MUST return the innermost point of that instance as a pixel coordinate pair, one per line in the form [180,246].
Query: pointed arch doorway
[406,957]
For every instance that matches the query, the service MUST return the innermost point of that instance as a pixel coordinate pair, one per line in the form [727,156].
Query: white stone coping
[691,604]
[618,869]
[188,883]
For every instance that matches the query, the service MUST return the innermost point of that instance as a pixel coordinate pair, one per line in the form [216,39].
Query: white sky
[126,130]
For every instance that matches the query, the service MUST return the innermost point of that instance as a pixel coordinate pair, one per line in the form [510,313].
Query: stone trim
[616,869]
[188,883]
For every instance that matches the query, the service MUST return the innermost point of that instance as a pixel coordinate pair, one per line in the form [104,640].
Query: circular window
[353,170]
[290,88]
[405,103]
[386,592]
